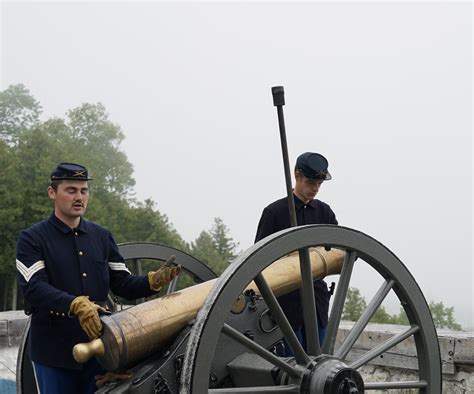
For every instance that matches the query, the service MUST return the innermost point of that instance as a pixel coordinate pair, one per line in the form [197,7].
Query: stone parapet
[401,363]
[12,324]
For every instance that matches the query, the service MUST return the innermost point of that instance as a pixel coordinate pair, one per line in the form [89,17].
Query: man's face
[70,199]
[306,188]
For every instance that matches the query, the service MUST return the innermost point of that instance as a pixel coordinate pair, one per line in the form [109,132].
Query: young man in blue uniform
[311,170]
[65,267]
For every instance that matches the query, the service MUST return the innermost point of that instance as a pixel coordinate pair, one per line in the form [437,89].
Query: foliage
[10,208]
[381,316]
[98,139]
[402,318]
[204,249]
[215,247]
[223,243]
[18,111]
[354,306]
[443,317]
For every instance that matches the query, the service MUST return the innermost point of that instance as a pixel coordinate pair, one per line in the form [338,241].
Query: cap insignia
[80,173]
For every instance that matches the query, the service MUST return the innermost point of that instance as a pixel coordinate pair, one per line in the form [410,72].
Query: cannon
[228,344]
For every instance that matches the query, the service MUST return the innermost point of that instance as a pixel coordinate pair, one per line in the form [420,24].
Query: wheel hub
[329,375]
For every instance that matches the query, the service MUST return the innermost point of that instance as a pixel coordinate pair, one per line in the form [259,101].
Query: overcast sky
[383,90]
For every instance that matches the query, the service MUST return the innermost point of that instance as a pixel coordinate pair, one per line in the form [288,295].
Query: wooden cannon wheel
[131,252]
[325,369]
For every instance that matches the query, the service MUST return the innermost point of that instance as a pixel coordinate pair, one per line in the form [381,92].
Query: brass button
[84,275]
[51,312]
[80,253]
[57,313]
[62,314]
[76,233]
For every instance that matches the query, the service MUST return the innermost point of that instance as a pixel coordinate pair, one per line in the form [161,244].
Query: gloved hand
[88,314]
[165,274]
[109,377]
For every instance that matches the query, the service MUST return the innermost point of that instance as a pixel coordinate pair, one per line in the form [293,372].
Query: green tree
[401,318]
[142,222]
[10,212]
[223,242]
[204,249]
[10,205]
[18,111]
[98,141]
[354,305]
[382,316]
[443,317]
[215,247]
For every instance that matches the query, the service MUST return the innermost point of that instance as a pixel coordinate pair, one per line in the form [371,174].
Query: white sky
[383,90]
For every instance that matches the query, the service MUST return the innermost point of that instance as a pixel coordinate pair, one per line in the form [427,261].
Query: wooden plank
[464,351]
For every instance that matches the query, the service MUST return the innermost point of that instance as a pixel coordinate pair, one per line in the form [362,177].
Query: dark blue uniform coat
[276,217]
[55,264]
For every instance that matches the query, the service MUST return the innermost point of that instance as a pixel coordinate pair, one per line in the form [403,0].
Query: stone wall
[400,363]
[12,324]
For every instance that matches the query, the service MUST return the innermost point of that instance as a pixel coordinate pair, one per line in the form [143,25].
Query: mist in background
[383,90]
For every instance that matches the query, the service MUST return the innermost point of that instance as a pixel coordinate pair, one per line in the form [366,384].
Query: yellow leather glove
[165,274]
[88,314]
[109,377]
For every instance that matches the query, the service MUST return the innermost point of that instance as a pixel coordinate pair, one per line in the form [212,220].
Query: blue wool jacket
[55,264]
[276,217]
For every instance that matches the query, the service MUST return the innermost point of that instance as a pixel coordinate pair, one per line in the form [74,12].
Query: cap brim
[327,178]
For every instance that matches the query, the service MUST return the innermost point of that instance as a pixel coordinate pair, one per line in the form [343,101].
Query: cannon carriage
[222,335]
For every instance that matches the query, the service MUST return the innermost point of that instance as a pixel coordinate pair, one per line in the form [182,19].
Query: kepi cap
[313,166]
[70,171]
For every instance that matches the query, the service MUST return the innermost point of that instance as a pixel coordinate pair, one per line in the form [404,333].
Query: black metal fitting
[278,96]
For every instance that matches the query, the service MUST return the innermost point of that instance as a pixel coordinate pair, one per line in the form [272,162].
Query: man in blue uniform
[311,171]
[65,267]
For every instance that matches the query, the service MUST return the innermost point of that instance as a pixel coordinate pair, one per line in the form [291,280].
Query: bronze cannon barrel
[137,332]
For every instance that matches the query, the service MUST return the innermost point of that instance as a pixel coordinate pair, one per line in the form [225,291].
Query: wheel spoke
[383,347]
[396,385]
[261,351]
[309,304]
[138,271]
[172,285]
[364,319]
[280,318]
[338,304]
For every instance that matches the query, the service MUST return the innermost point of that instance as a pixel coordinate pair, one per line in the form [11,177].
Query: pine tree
[224,244]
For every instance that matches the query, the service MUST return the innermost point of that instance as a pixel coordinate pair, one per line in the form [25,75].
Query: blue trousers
[51,380]
[285,350]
